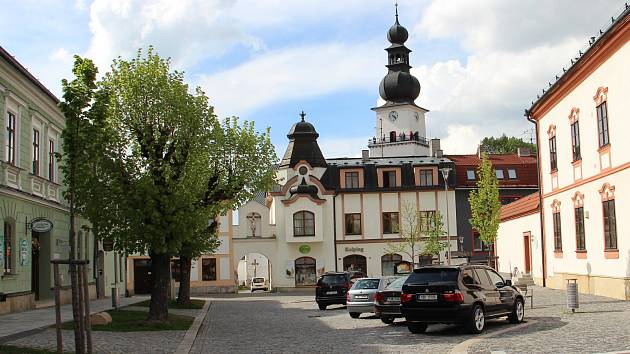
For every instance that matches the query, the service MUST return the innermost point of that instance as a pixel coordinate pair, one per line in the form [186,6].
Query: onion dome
[397,34]
[304,188]
[399,87]
[303,146]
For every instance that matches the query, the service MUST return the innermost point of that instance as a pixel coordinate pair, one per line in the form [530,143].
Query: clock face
[393,115]
[417,115]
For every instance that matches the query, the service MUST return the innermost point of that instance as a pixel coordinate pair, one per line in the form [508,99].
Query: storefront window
[209,269]
[305,272]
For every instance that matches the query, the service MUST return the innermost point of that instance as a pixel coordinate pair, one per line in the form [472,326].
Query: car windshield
[434,275]
[397,284]
[333,279]
[259,280]
[366,284]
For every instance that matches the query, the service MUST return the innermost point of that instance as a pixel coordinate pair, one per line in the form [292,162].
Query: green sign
[305,249]
[24,252]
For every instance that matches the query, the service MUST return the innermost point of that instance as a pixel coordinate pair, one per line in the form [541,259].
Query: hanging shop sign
[41,225]
[23,252]
[305,249]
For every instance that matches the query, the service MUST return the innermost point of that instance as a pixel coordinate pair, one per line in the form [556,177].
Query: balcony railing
[399,137]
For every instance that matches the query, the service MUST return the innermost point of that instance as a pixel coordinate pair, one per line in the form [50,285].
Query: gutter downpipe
[540,201]
[335,227]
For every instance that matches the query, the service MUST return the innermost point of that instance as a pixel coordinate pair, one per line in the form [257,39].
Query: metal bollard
[573,302]
[115,297]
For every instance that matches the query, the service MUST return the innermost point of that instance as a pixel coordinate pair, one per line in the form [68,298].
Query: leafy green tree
[433,231]
[159,168]
[485,205]
[505,145]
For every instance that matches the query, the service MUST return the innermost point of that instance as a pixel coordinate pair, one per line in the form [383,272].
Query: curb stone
[189,339]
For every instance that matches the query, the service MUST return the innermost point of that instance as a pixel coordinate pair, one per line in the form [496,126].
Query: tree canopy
[505,145]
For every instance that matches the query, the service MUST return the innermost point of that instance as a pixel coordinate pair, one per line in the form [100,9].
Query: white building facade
[584,168]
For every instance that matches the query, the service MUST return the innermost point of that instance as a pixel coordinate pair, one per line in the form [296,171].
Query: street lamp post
[445,172]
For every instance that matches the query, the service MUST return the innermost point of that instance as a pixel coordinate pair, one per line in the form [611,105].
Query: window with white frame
[11,125]
[36,152]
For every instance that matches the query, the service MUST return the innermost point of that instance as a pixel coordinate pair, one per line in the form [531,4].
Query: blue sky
[479,62]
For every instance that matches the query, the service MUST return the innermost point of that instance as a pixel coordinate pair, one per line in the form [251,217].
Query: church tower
[400,123]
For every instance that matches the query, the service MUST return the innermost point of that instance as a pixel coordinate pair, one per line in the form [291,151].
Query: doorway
[142,276]
[305,271]
[527,243]
[355,263]
[35,248]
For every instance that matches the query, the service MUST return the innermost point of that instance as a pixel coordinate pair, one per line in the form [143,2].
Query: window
[469,278]
[557,232]
[51,160]
[7,260]
[495,278]
[427,220]
[36,152]
[575,141]
[392,136]
[209,269]
[610,225]
[303,223]
[580,243]
[389,179]
[499,174]
[602,124]
[479,245]
[353,224]
[10,154]
[483,277]
[176,272]
[511,173]
[470,175]
[352,179]
[390,223]
[426,177]
[388,263]
[553,155]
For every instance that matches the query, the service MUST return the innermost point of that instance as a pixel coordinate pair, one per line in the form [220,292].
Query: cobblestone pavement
[291,323]
[148,342]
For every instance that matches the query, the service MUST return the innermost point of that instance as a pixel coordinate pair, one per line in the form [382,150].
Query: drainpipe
[540,201]
[335,228]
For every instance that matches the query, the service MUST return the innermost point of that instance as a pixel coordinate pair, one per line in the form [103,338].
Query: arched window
[388,263]
[355,263]
[304,223]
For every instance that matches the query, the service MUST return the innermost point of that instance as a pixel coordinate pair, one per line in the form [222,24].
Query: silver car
[360,297]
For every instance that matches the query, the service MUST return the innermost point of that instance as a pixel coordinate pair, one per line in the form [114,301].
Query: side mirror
[508,282]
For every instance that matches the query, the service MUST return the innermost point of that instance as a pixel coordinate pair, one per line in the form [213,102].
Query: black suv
[465,294]
[332,288]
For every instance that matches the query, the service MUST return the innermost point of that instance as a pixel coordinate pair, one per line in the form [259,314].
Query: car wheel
[417,328]
[355,314]
[518,312]
[322,306]
[477,320]
[387,320]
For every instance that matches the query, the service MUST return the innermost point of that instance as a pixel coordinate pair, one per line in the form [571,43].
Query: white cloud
[460,138]
[293,73]
[186,30]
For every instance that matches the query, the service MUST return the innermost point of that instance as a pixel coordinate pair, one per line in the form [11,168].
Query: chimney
[480,151]
[434,146]
[439,153]
[524,152]
[365,155]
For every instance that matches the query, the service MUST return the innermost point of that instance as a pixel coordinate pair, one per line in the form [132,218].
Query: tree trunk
[183,296]
[160,268]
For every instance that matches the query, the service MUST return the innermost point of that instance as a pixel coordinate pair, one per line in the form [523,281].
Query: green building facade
[33,212]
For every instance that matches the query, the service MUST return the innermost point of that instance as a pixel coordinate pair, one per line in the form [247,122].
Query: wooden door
[528,253]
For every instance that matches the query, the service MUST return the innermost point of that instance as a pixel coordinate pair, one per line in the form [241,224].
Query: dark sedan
[387,301]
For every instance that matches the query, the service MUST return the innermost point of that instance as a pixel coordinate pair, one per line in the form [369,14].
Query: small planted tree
[485,205]
[433,229]
[410,234]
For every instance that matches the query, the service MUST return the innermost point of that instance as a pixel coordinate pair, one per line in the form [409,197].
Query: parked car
[332,288]
[387,301]
[259,283]
[360,297]
[464,294]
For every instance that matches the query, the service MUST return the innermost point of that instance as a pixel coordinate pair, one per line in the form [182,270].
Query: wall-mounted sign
[354,249]
[305,249]
[23,252]
[41,225]
[403,267]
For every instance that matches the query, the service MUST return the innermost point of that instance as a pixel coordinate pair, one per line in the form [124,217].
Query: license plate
[361,297]
[393,299]
[427,297]
[331,292]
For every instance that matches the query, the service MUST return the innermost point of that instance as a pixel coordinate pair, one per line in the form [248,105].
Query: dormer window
[511,173]
[352,179]
[499,173]
[470,175]
[426,177]
[389,179]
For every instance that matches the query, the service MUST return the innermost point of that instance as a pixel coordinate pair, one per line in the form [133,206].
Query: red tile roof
[525,206]
[496,159]
[525,166]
